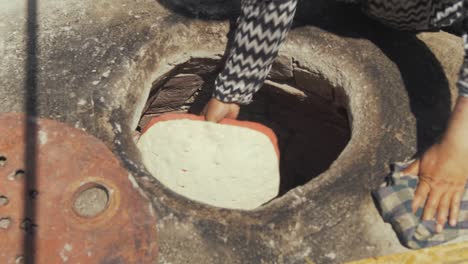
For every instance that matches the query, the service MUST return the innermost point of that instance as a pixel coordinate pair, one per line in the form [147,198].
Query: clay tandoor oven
[345,99]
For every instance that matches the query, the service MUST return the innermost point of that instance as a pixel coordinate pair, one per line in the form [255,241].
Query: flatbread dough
[221,165]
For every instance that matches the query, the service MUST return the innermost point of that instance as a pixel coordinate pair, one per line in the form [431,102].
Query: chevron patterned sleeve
[261,27]
[463,81]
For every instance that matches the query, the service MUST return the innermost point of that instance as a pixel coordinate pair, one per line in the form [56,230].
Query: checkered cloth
[394,200]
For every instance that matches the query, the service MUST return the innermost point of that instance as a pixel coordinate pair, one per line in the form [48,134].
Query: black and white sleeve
[261,28]
[463,81]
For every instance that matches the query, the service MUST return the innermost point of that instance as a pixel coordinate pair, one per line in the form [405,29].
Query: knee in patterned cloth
[414,15]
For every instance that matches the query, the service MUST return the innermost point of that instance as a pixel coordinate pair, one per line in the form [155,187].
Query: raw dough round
[221,165]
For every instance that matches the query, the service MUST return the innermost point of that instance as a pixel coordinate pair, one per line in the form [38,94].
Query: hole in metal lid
[17,175]
[5,222]
[3,200]
[91,201]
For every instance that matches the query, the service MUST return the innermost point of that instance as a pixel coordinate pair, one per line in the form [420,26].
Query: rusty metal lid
[83,204]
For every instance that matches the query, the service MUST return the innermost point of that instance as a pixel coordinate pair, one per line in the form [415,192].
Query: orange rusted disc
[247,124]
[82,208]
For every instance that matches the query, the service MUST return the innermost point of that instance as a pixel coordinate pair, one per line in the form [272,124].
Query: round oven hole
[307,112]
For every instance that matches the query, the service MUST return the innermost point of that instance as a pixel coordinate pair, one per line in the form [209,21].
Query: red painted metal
[70,161]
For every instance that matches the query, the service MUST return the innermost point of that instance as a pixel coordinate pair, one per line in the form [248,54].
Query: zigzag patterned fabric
[447,12]
[401,14]
[263,25]
[463,80]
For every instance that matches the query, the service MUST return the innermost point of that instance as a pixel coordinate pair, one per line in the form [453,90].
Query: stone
[285,88]
[313,83]
[201,65]
[281,69]
[174,93]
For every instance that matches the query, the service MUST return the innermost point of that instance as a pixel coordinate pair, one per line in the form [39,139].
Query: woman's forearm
[457,131]
[261,27]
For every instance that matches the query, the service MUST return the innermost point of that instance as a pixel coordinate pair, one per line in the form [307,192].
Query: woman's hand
[443,171]
[215,110]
